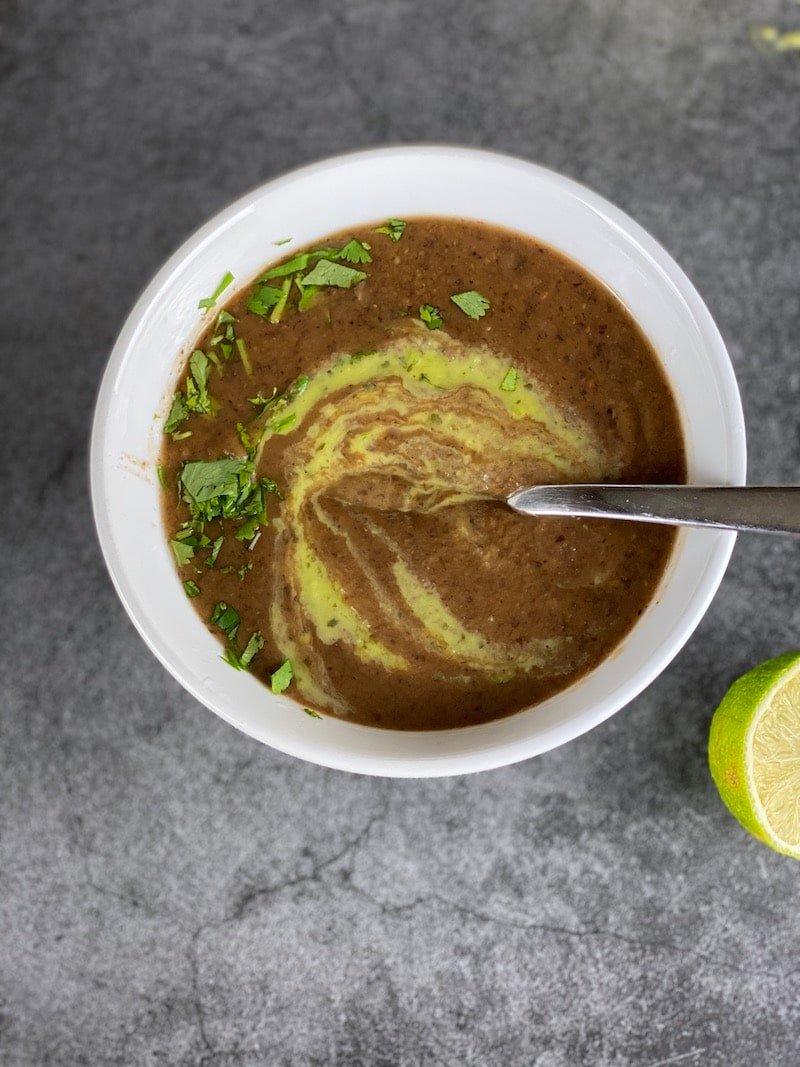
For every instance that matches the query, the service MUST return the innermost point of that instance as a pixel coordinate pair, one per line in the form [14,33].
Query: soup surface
[339,440]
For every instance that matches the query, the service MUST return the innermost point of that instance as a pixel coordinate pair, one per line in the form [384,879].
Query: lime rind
[733,740]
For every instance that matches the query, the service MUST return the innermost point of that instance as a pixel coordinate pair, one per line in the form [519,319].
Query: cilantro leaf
[183,552]
[207,481]
[254,645]
[471,303]
[281,679]
[355,252]
[212,556]
[328,273]
[198,398]
[509,382]
[249,527]
[177,414]
[263,299]
[226,618]
[210,301]
[241,348]
[161,476]
[192,588]
[241,661]
[312,714]
[307,294]
[431,316]
[280,307]
[392,228]
[248,444]
[298,262]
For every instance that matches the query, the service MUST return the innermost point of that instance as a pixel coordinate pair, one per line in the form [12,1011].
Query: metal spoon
[772,509]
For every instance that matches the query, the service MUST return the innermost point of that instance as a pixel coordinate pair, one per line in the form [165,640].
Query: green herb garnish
[210,301]
[192,588]
[177,414]
[509,382]
[313,714]
[281,678]
[336,274]
[197,397]
[358,356]
[161,475]
[241,661]
[392,228]
[307,294]
[226,618]
[212,556]
[355,252]
[431,316]
[248,444]
[282,241]
[471,303]
[298,263]
[241,348]
[183,552]
[264,299]
[280,307]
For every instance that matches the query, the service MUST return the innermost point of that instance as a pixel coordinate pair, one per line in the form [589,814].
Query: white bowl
[307,205]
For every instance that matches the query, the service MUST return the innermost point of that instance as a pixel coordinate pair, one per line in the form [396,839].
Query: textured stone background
[170,891]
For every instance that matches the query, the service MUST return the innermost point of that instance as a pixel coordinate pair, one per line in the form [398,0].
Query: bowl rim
[497,755]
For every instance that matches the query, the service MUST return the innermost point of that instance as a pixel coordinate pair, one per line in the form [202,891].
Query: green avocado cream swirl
[420,425]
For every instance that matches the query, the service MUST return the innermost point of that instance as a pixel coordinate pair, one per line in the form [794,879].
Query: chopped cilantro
[210,301]
[177,414]
[281,678]
[264,299]
[282,241]
[307,294]
[431,316]
[226,350]
[192,588]
[181,436]
[313,714]
[471,303]
[218,480]
[249,527]
[198,398]
[335,274]
[355,252]
[509,382]
[244,570]
[248,444]
[212,556]
[226,618]
[161,476]
[280,306]
[277,403]
[241,348]
[183,552]
[241,661]
[392,228]
[298,262]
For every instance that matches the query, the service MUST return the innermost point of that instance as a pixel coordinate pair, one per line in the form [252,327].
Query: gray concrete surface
[170,891]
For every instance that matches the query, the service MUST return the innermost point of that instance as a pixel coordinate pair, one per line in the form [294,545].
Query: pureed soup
[338,448]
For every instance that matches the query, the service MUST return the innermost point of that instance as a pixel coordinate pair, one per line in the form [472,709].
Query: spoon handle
[772,509]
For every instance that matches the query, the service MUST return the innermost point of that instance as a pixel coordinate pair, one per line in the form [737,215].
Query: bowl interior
[307,205]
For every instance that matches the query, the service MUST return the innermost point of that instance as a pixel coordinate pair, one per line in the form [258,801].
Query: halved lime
[754,752]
